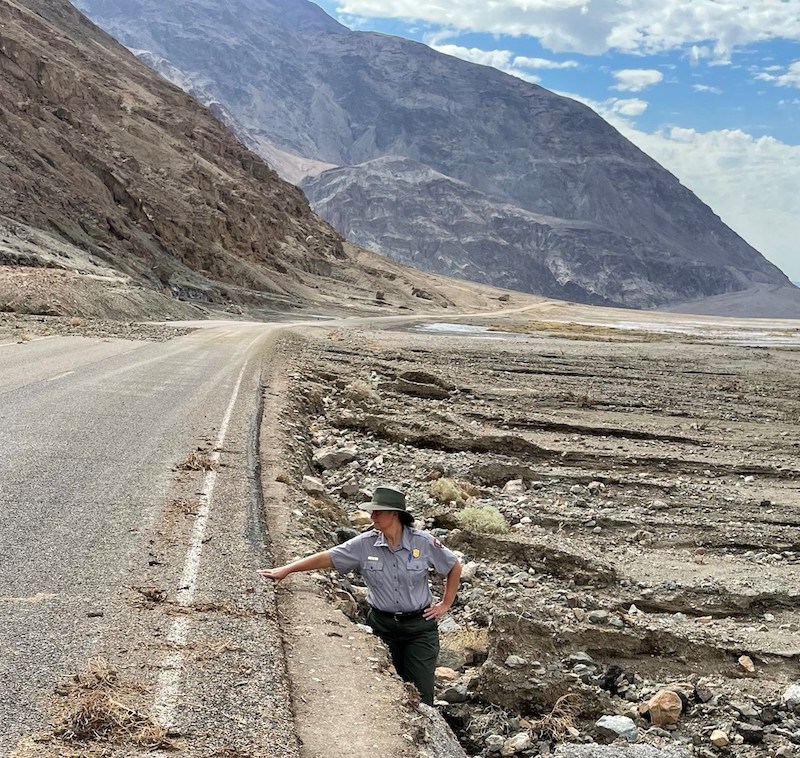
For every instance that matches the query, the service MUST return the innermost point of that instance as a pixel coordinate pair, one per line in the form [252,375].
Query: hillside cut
[112,176]
[447,165]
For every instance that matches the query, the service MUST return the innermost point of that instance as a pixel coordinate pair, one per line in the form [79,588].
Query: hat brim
[369,507]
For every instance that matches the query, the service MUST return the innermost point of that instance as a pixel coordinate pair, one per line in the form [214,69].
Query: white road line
[60,376]
[24,342]
[169,679]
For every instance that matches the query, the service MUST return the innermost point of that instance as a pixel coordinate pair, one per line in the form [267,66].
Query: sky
[708,88]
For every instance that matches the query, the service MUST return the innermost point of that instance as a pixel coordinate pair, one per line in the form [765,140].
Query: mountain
[456,167]
[142,199]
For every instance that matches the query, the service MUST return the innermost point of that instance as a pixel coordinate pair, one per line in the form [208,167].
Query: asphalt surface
[90,433]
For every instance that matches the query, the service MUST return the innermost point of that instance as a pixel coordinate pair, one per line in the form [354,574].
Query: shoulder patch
[436,542]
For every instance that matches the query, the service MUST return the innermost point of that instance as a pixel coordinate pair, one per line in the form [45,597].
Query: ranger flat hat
[387,498]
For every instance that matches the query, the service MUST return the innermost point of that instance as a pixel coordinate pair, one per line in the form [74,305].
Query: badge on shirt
[415,552]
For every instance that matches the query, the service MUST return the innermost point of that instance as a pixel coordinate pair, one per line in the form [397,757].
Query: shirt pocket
[417,566]
[372,566]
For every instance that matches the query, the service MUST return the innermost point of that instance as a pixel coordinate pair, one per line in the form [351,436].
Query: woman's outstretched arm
[312,563]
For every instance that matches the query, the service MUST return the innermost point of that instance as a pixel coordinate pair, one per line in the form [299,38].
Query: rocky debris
[313,486]
[614,727]
[21,328]
[516,744]
[545,556]
[792,697]
[746,662]
[664,708]
[719,738]
[619,751]
[436,739]
[334,457]
[557,625]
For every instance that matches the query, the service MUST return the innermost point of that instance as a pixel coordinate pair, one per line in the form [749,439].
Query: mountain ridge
[334,96]
[118,178]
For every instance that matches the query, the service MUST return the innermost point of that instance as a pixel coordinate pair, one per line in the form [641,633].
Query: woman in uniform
[394,559]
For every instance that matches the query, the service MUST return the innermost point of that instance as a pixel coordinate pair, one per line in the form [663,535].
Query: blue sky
[709,88]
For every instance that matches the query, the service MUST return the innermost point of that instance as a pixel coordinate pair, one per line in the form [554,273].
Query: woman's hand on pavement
[276,574]
[435,612]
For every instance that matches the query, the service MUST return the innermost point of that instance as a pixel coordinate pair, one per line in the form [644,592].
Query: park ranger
[394,560]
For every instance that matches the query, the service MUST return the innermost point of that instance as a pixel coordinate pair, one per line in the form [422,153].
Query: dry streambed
[628,515]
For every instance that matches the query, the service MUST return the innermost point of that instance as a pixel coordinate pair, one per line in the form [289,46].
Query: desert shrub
[360,393]
[482,518]
[447,490]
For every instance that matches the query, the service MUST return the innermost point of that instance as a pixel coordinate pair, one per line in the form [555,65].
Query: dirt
[654,529]
[659,487]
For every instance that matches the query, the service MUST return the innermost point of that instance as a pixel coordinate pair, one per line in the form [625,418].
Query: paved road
[90,431]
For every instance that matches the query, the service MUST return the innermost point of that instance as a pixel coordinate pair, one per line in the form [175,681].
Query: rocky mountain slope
[142,198]
[594,218]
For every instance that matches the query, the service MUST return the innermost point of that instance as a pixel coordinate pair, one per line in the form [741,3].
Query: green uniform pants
[414,645]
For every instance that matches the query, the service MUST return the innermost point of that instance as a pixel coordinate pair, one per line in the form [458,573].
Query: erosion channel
[626,505]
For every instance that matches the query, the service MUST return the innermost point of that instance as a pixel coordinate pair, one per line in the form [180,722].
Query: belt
[401,616]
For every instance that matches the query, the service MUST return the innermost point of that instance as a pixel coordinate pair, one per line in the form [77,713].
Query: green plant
[482,518]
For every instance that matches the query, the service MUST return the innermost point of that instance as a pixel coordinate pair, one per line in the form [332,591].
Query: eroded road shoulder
[346,704]
[187,653]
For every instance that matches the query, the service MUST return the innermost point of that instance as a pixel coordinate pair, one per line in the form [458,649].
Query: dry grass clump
[359,392]
[447,490]
[493,720]
[25,337]
[199,460]
[188,507]
[482,518]
[94,712]
[557,724]
[153,594]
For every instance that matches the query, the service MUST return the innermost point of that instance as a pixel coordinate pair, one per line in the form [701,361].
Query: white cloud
[698,53]
[498,58]
[789,78]
[524,62]
[630,108]
[636,79]
[750,182]
[706,88]
[504,60]
[715,27]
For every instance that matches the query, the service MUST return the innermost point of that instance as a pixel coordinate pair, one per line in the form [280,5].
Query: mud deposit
[651,498]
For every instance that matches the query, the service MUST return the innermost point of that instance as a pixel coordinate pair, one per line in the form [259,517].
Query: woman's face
[383,520]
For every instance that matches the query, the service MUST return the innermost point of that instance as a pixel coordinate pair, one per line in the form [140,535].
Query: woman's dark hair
[406,519]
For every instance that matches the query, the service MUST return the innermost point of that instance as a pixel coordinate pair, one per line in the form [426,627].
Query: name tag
[373,558]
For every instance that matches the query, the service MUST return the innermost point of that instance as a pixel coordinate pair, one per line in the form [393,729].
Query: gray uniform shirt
[397,580]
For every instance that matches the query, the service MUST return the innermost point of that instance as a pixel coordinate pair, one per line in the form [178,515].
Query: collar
[405,540]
